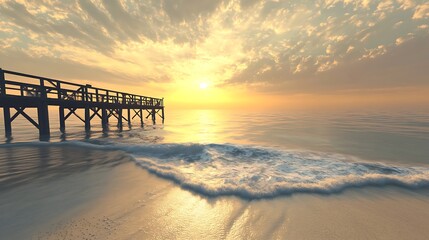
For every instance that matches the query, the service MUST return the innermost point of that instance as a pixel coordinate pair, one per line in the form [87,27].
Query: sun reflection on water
[202,126]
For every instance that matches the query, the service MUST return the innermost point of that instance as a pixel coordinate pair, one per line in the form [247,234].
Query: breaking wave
[259,172]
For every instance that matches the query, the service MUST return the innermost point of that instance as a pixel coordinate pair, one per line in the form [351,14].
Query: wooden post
[42,111]
[43,116]
[129,116]
[61,110]
[7,122]
[87,119]
[162,114]
[62,120]
[59,90]
[87,112]
[6,109]
[87,99]
[141,117]
[104,118]
[124,98]
[96,95]
[2,83]
[153,116]
[120,118]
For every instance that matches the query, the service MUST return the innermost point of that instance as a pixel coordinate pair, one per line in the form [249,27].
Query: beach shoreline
[127,202]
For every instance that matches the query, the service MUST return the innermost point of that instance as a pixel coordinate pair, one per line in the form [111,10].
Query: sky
[230,53]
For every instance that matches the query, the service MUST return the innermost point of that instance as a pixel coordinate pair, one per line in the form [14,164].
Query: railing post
[59,90]
[42,111]
[61,109]
[85,92]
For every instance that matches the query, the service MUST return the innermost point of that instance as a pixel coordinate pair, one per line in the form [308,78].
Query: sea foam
[261,172]
[257,172]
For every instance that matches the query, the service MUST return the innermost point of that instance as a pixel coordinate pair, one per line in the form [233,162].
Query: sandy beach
[127,202]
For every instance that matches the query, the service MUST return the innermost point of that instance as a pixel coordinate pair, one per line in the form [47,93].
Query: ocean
[248,155]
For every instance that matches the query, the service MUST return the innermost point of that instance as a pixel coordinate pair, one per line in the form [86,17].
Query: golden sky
[227,54]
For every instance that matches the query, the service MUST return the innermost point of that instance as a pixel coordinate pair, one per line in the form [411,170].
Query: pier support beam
[62,120]
[87,120]
[129,116]
[141,117]
[42,111]
[7,122]
[104,118]
[43,118]
[6,109]
[153,116]
[120,118]
[162,112]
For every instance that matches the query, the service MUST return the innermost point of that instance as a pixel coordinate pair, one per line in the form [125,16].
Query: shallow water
[247,154]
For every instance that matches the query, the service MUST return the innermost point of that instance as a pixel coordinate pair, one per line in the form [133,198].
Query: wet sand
[127,202]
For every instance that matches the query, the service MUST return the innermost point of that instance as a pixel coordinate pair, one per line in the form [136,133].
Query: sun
[203,85]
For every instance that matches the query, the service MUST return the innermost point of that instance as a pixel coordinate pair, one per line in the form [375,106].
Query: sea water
[246,154]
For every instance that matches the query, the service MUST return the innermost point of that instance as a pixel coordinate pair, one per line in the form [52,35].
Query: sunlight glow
[203,85]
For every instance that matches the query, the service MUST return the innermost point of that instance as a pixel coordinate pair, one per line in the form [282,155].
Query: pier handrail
[48,87]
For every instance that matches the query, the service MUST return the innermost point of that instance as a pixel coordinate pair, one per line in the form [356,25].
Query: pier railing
[42,87]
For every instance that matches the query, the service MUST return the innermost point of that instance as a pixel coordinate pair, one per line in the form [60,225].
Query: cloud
[231,42]
[57,68]
[346,34]
[422,11]
[401,66]
[185,10]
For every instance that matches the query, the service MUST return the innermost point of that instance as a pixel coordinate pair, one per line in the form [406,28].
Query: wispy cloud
[279,45]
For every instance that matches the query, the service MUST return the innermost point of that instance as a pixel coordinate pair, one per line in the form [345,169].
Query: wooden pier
[29,91]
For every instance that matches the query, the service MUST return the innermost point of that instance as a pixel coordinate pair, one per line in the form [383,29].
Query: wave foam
[257,172]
